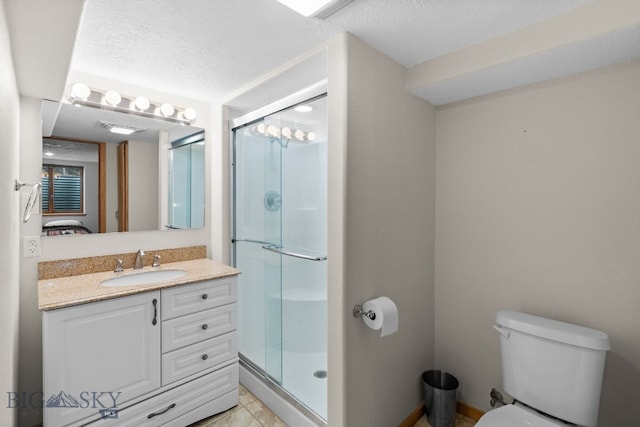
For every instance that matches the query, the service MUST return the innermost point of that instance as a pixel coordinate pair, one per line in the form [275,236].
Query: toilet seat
[516,415]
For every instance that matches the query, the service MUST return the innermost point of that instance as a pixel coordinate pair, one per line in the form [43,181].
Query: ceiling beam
[600,19]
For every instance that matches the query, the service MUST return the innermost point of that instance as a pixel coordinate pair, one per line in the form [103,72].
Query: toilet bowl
[516,415]
[549,366]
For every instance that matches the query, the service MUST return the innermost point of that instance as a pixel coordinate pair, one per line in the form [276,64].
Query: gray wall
[9,225]
[538,210]
[389,234]
[143,186]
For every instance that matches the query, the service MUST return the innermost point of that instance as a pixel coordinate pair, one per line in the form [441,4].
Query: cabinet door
[99,356]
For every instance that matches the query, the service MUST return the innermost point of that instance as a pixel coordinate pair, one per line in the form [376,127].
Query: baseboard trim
[469,411]
[462,408]
[414,417]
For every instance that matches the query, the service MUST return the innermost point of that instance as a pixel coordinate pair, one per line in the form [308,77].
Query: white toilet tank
[552,366]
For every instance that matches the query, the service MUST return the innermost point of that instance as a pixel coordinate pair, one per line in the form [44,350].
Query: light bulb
[261,128]
[311,136]
[190,114]
[273,130]
[299,135]
[286,132]
[80,91]
[167,109]
[112,97]
[142,103]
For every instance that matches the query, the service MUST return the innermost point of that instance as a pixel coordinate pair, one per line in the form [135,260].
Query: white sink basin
[144,278]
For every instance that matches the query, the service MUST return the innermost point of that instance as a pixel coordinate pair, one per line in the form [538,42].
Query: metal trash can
[440,398]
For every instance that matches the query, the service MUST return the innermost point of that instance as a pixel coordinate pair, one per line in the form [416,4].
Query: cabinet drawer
[185,330]
[197,297]
[189,360]
[163,408]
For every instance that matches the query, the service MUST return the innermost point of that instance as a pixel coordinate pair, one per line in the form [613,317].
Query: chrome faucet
[139,256]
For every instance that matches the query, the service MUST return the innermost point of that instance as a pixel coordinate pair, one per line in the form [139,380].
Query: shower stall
[279,242]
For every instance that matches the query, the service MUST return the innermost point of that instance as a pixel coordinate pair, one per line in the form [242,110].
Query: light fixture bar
[81,94]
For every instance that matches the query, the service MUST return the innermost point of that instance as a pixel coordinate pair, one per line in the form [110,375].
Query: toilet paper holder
[359,312]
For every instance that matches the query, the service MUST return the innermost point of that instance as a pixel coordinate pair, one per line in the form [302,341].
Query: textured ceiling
[207,50]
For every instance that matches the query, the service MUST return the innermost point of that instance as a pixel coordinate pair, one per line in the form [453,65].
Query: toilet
[552,369]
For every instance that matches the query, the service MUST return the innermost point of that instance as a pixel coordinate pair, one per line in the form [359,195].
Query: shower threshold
[283,404]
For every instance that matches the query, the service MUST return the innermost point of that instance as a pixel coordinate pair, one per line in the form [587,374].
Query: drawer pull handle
[204,327]
[155,312]
[205,296]
[164,411]
[205,357]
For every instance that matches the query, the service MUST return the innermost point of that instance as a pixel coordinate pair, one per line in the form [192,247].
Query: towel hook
[33,197]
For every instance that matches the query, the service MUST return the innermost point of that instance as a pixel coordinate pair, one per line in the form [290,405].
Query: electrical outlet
[31,246]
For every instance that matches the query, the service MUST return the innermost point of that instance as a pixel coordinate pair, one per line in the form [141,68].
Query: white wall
[388,236]
[538,210]
[9,226]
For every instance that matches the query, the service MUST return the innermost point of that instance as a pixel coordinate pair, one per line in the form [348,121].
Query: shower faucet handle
[156,261]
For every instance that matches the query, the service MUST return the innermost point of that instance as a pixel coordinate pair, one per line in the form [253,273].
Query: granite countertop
[74,290]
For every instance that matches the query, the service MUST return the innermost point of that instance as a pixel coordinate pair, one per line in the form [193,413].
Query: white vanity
[153,354]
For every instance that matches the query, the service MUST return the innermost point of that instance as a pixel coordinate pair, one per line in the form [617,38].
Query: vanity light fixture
[167,109]
[80,91]
[142,103]
[120,129]
[79,94]
[112,98]
[321,9]
[189,114]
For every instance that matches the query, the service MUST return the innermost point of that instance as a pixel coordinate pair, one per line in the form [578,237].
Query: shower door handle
[281,251]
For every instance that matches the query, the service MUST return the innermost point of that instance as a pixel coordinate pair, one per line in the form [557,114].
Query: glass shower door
[258,224]
[279,216]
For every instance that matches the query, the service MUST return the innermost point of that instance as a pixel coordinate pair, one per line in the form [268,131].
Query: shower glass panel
[280,234]
[186,182]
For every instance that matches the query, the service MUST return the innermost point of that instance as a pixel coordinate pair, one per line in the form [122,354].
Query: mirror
[98,181]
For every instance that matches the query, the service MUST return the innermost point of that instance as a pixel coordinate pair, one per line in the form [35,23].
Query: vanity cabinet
[164,357]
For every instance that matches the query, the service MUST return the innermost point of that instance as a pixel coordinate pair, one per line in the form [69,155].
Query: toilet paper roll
[386,315]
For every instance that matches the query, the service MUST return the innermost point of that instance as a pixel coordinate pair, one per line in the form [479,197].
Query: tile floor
[250,412]
[253,413]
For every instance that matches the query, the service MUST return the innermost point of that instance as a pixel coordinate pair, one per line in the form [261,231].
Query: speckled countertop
[74,290]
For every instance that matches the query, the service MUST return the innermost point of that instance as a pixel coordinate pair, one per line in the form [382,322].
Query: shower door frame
[310,93]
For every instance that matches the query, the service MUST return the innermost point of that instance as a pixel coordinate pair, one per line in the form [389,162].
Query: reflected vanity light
[79,94]
[285,132]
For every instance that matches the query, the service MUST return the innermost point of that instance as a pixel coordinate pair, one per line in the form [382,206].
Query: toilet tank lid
[554,330]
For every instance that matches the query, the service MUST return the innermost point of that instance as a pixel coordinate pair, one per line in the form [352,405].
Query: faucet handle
[119,267]
[156,261]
